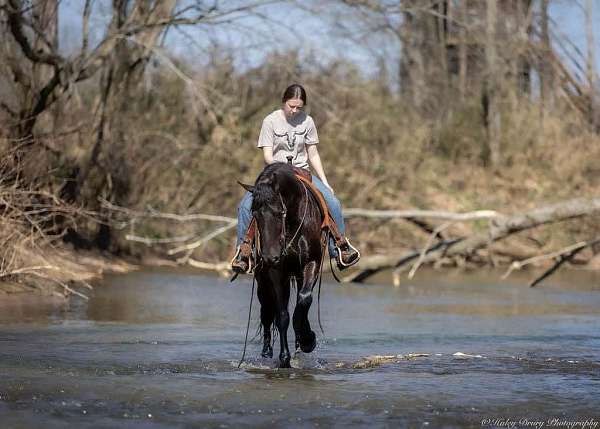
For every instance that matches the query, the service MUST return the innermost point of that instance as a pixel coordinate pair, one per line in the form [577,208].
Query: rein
[248,325]
[283,231]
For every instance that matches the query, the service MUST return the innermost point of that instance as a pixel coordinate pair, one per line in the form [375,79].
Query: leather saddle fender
[328,221]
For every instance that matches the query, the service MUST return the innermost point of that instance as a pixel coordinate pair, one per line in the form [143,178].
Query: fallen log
[422,214]
[371,265]
[443,251]
[500,228]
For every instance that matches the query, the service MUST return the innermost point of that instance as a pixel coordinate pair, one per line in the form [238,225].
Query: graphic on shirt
[291,142]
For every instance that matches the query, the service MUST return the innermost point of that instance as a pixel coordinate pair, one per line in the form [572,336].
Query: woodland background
[126,142]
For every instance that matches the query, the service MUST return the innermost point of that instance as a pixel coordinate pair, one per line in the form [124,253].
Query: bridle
[286,245]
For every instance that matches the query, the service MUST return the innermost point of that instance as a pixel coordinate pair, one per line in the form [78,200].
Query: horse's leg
[305,337]
[267,314]
[281,286]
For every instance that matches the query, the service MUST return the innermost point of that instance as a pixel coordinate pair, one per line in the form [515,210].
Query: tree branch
[15,23]
[561,260]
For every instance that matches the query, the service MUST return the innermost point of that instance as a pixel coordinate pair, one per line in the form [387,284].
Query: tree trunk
[462,50]
[492,88]
[546,69]
[439,69]
[412,63]
[45,18]
[106,171]
[591,55]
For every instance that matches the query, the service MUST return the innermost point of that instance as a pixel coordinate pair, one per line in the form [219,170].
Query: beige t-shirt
[288,137]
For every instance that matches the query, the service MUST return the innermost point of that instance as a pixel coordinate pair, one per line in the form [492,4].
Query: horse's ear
[248,188]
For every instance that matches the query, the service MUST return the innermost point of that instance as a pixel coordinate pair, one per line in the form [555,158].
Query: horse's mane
[264,189]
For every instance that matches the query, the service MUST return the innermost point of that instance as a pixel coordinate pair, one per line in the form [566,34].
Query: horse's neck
[293,191]
[306,202]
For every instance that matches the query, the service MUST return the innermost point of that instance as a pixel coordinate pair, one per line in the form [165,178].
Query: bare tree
[138,22]
[36,76]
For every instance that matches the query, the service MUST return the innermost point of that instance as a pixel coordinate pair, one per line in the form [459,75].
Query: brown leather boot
[348,255]
[241,262]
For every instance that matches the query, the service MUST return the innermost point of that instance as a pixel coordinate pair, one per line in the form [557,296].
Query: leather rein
[287,246]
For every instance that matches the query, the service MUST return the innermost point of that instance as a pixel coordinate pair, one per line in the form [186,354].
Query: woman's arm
[265,140]
[268,154]
[315,163]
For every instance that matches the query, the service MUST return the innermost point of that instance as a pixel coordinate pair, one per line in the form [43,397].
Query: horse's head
[270,211]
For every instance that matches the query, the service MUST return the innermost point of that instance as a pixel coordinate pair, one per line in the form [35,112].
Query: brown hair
[294,91]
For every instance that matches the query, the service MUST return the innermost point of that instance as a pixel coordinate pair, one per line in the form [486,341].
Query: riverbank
[60,272]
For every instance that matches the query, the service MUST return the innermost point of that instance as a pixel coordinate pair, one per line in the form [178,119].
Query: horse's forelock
[265,188]
[263,194]
[264,191]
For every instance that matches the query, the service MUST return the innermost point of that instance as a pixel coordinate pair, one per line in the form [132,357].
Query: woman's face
[292,107]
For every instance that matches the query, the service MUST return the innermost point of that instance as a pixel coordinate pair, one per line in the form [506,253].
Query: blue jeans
[335,209]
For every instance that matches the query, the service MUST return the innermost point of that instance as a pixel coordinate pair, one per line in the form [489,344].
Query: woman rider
[290,132]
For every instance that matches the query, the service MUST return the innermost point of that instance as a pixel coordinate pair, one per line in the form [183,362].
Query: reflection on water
[160,349]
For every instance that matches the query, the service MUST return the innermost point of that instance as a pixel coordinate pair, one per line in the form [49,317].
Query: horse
[290,244]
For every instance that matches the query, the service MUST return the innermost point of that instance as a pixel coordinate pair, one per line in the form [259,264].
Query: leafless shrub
[32,222]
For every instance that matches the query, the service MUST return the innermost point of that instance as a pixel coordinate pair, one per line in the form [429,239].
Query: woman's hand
[329,187]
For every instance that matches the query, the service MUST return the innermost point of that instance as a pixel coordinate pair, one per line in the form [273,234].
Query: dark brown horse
[289,244]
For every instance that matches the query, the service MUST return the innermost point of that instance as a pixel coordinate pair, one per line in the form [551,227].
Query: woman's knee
[334,203]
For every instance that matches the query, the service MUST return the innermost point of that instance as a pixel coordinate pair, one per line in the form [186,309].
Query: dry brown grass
[186,143]
[378,153]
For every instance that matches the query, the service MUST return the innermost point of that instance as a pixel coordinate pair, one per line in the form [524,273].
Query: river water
[161,349]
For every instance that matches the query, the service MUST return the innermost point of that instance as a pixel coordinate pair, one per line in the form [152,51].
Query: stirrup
[339,255]
[250,269]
